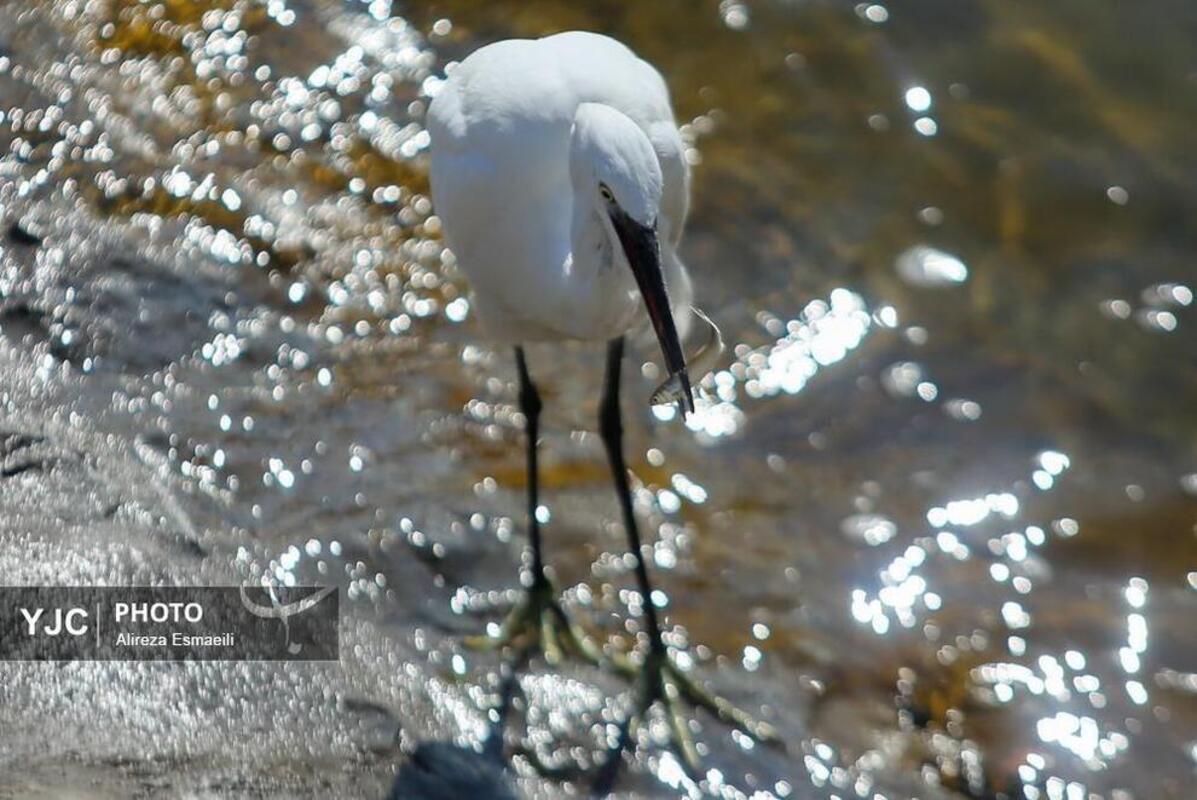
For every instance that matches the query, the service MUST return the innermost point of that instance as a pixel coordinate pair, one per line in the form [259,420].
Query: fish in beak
[644,256]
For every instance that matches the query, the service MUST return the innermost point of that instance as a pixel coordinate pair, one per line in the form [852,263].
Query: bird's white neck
[598,285]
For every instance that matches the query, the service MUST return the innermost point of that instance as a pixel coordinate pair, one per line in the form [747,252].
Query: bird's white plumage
[504,178]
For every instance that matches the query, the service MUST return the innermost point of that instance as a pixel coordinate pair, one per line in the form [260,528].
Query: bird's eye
[606,193]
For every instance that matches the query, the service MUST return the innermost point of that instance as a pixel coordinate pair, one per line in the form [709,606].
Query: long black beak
[644,255]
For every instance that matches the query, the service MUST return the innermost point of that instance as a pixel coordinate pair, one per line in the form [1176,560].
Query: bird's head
[615,171]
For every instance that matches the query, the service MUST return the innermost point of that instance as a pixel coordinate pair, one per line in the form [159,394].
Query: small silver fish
[698,364]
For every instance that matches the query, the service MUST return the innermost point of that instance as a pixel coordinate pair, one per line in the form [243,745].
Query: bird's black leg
[653,683]
[611,430]
[659,678]
[530,406]
[538,620]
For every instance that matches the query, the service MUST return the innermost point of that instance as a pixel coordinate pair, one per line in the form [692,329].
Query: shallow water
[936,517]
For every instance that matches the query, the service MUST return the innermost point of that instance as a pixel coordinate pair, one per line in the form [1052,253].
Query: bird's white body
[511,164]
[561,182]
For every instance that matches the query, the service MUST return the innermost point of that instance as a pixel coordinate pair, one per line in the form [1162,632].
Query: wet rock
[18,319]
[112,308]
[23,452]
[18,233]
[145,316]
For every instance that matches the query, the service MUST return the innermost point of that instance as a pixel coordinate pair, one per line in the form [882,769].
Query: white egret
[562,185]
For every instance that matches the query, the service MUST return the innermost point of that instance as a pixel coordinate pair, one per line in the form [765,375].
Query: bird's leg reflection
[538,620]
[509,687]
[658,678]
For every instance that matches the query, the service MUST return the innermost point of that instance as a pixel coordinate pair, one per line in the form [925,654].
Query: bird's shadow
[446,771]
[443,770]
[439,770]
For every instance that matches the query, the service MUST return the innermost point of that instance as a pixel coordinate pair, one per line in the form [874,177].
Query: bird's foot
[660,679]
[538,622]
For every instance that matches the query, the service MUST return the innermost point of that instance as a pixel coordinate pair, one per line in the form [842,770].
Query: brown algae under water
[935,518]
